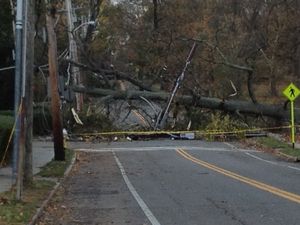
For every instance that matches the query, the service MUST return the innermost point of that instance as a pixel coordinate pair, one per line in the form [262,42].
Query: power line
[7,68]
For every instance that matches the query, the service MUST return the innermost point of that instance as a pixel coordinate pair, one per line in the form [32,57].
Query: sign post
[292,92]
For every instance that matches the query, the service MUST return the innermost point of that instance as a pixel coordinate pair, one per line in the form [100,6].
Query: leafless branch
[117,74]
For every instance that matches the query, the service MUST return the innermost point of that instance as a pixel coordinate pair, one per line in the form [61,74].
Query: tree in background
[244,47]
[242,41]
[6,60]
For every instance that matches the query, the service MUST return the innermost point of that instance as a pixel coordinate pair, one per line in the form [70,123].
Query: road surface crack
[226,211]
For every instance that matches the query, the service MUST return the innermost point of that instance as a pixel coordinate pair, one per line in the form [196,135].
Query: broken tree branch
[117,74]
[243,107]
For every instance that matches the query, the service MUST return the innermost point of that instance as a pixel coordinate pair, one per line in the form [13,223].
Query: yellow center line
[262,186]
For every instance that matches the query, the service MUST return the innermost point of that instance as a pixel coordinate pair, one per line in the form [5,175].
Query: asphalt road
[177,182]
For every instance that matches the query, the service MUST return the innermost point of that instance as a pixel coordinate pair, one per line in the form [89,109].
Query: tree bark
[250,87]
[297,60]
[273,85]
[94,12]
[155,15]
[28,174]
[59,153]
[232,106]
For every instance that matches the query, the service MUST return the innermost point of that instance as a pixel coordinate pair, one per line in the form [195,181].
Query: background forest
[246,50]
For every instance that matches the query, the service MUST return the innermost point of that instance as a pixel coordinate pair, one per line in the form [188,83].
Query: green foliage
[14,212]
[6,125]
[5,25]
[6,122]
[6,46]
[292,152]
[199,118]
[6,113]
[279,145]
[224,127]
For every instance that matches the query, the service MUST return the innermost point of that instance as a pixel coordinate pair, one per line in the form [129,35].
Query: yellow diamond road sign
[291,92]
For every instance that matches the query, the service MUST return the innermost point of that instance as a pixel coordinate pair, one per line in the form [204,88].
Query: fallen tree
[279,112]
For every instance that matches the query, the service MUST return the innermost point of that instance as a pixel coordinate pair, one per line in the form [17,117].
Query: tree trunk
[94,11]
[250,87]
[232,106]
[297,61]
[273,85]
[59,153]
[155,15]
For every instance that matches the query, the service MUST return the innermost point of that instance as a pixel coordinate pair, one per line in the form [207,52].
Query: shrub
[7,113]
[224,127]
[6,124]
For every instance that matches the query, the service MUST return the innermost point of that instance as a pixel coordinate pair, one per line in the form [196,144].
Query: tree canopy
[239,42]
[247,49]
[6,49]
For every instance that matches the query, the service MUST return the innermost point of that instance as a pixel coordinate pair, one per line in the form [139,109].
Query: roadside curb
[53,191]
[287,157]
[281,154]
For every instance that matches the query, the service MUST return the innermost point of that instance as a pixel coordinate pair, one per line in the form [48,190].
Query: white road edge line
[137,197]
[236,149]
[294,168]
[270,162]
[170,148]
[230,145]
[258,158]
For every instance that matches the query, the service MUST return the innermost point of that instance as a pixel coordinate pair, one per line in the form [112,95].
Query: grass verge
[282,147]
[14,212]
[56,169]
[6,124]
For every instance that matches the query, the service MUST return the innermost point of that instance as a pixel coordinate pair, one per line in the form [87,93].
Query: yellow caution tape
[201,132]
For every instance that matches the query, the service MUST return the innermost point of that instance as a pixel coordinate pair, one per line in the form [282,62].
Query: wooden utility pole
[29,38]
[59,153]
[26,60]
[21,151]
